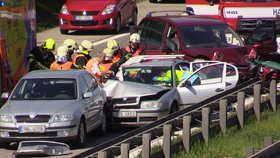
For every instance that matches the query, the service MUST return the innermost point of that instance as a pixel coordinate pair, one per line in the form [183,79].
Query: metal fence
[182,122]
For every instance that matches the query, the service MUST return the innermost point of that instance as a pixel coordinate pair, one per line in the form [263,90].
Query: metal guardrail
[271,150]
[132,138]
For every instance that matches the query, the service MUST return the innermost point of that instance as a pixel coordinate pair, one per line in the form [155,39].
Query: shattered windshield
[45,89]
[160,76]
[209,36]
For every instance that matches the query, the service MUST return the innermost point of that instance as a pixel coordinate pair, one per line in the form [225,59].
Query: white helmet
[71,44]
[113,44]
[86,46]
[135,38]
[61,53]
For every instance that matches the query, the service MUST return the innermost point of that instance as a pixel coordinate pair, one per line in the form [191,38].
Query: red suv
[200,37]
[97,15]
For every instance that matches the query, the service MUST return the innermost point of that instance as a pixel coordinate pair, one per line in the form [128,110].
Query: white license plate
[125,114]
[32,129]
[83,18]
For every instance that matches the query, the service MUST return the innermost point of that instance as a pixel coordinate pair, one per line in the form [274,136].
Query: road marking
[113,37]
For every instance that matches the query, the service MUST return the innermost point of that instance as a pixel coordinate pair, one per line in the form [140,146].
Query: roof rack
[155,57]
[171,12]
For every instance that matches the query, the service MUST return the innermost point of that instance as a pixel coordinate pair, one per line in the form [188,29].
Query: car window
[149,35]
[160,76]
[172,35]
[45,89]
[91,82]
[208,75]
[230,71]
[208,36]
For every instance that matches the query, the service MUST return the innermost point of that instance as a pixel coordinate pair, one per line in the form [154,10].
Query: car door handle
[219,90]
[228,84]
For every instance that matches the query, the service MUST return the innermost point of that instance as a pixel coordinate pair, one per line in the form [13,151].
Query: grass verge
[234,142]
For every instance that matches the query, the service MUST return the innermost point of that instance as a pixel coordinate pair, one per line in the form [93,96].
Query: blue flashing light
[2,3]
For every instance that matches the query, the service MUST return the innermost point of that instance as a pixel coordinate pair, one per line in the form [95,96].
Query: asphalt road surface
[99,39]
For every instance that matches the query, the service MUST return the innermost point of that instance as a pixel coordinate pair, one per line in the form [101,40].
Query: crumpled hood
[88,5]
[40,106]
[117,89]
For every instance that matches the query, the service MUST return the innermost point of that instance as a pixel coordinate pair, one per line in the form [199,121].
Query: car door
[94,104]
[206,82]
[124,9]
[263,39]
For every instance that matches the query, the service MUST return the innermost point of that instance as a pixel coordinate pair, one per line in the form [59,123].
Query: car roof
[54,74]
[156,63]
[183,20]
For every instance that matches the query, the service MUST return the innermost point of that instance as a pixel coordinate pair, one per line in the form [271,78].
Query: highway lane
[99,39]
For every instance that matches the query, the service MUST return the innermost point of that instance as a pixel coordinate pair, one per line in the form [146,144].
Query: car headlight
[109,9]
[6,118]
[63,118]
[150,104]
[64,9]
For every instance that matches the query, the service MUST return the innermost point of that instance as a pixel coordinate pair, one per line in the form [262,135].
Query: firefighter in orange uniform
[117,51]
[72,47]
[62,62]
[83,55]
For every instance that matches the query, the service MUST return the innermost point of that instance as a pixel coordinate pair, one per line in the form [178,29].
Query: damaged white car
[153,88]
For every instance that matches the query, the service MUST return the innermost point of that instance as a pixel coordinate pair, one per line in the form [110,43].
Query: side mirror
[87,95]
[211,2]
[5,95]
[187,83]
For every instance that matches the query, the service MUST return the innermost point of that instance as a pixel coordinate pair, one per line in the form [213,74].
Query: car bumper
[57,131]
[68,22]
[136,117]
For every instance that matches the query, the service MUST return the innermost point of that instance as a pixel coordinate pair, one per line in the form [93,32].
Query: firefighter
[93,66]
[82,56]
[72,47]
[134,49]
[62,62]
[117,51]
[41,57]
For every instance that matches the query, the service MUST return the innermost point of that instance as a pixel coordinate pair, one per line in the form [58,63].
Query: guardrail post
[257,101]
[205,123]
[272,93]
[167,140]
[187,132]
[240,108]
[102,154]
[249,152]
[223,115]
[267,141]
[146,151]
[124,150]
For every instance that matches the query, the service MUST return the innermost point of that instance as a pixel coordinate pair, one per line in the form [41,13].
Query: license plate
[32,129]
[125,114]
[83,18]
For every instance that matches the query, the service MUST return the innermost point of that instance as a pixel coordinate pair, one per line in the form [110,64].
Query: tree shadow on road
[97,32]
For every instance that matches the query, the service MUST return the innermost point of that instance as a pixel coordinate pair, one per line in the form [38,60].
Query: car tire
[102,129]
[134,18]
[81,136]
[117,27]
[174,108]
[64,32]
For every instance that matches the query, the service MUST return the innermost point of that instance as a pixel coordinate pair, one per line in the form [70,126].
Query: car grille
[36,119]
[125,119]
[84,23]
[16,134]
[93,13]
[251,24]
[128,100]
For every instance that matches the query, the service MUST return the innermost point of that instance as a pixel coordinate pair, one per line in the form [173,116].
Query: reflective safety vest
[181,74]
[137,52]
[61,66]
[104,67]
[92,67]
[116,58]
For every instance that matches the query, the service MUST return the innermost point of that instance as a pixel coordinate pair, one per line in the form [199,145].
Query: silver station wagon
[53,105]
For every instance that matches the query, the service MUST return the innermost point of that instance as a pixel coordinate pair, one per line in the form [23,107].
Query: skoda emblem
[84,13]
[124,99]
[259,22]
[32,115]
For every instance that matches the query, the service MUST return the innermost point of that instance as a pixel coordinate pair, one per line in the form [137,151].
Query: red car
[200,38]
[97,15]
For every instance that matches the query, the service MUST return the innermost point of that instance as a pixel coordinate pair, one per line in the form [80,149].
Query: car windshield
[209,36]
[45,89]
[160,76]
